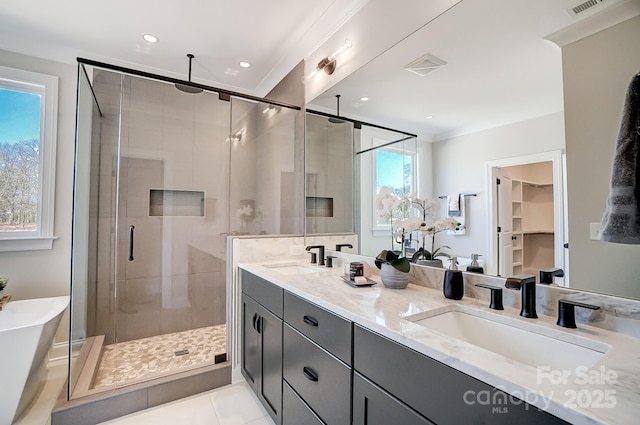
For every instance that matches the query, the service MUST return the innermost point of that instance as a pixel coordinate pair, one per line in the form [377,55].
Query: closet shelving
[532,226]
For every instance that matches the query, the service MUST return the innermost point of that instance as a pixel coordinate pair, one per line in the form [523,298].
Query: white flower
[451,223]
[411,224]
[245,212]
[386,201]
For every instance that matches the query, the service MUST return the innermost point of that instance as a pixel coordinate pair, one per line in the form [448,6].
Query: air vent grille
[594,6]
[425,65]
[584,6]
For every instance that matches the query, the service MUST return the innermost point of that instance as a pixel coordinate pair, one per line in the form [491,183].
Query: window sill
[381,232]
[26,244]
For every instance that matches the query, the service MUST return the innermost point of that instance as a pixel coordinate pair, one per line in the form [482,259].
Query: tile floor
[233,404]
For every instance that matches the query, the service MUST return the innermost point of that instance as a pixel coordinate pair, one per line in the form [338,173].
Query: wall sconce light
[328,64]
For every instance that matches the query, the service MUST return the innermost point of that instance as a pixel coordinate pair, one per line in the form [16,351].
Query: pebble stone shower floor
[147,358]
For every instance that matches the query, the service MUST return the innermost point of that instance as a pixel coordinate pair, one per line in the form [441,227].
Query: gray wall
[460,167]
[597,71]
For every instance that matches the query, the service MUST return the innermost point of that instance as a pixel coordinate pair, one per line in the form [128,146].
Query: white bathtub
[27,329]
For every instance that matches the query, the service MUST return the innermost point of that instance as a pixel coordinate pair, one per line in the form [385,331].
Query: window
[394,168]
[28,109]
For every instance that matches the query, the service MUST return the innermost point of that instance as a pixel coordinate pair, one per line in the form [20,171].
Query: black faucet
[546,276]
[566,312]
[339,246]
[526,283]
[320,253]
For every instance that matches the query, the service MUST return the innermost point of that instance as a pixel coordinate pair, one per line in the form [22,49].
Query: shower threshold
[135,375]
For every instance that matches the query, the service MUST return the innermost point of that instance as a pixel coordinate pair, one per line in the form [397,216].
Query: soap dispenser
[474,266]
[453,283]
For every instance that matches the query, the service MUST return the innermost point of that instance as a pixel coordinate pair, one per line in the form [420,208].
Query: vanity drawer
[263,291]
[295,411]
[440,393]
[331,332]
[320,379]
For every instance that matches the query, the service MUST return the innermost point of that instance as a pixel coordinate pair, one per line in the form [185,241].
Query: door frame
[555,157]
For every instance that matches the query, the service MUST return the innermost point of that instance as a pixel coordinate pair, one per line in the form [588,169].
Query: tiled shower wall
[169,140]
[329,173]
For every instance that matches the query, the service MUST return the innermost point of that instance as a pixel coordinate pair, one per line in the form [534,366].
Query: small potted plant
[428,257]
[394,269]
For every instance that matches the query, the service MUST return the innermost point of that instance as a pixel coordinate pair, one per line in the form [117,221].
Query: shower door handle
[131,229]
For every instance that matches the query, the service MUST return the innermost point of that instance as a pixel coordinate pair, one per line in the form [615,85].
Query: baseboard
[59,352]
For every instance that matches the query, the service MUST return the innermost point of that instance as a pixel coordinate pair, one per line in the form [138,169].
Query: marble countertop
[608,392]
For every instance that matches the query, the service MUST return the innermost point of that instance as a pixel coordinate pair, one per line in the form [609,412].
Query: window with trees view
[27,157]
[394,169]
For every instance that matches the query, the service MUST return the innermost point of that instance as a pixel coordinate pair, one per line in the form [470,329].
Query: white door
[505,220]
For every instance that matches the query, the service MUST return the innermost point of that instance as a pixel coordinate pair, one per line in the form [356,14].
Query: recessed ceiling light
[364,98]
[428,117]
[244,64]
[150,38]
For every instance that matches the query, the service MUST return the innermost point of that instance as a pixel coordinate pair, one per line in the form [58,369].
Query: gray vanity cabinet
[374,406]
[262,341]
[316,366]
[438,392]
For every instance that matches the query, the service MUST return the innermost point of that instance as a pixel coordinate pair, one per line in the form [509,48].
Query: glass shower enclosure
[162,177]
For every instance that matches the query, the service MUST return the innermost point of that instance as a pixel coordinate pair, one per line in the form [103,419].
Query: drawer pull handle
[255,317]
[310,374]
[311,321]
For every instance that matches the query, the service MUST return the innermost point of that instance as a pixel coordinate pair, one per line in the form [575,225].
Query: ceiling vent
[425,65]
[594,6]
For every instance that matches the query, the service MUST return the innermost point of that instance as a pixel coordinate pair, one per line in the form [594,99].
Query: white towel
[458,215]
[453,205]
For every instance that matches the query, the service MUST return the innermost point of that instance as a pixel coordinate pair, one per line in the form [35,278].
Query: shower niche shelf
[176,203]
[319,207]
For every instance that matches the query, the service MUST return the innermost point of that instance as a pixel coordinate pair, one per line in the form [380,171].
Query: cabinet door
[374,406]
[269,390]
[250,349]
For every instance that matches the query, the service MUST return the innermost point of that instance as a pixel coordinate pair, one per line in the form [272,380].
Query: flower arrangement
[431,231]
[400,208]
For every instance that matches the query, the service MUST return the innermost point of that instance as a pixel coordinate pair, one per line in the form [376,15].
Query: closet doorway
[527,215]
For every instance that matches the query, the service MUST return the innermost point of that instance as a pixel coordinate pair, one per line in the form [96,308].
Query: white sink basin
[291,268]
[526,343]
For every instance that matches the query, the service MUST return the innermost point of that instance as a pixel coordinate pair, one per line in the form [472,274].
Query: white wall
[37,274]
[460,166]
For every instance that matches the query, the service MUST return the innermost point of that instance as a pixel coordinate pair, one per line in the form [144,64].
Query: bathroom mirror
[483,90]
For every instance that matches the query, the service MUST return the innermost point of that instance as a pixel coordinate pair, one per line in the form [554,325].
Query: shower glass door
[171,179]
[162,178]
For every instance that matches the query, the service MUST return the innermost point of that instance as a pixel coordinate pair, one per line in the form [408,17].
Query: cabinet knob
[310,374]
